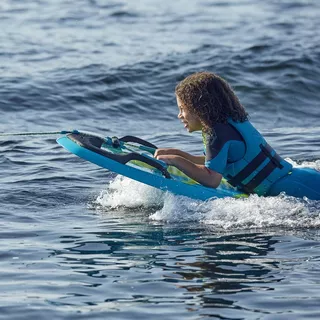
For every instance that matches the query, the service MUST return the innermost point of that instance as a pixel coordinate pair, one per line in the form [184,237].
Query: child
[234,149]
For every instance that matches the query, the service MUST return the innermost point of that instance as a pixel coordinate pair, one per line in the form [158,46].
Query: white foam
[228,213]
[252,212]
[305,164]
[125,192]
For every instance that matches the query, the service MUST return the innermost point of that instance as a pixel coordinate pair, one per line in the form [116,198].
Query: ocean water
[78,242]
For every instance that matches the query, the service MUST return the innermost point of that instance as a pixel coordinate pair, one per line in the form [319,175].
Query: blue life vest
[260,166]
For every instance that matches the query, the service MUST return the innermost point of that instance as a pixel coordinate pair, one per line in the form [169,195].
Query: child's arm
[177,152]
[198,172]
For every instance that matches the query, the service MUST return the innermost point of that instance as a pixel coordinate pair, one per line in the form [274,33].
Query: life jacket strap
[262,175]
[275,162]
[276,159]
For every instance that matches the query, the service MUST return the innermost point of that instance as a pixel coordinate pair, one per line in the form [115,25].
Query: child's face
[191,121]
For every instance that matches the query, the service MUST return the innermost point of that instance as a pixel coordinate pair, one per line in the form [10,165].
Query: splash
[220,214]
[253,212]
[305,164]
[125,192]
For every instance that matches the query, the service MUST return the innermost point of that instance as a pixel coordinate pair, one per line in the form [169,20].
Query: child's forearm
[178,152]
[192,158]
[196,172]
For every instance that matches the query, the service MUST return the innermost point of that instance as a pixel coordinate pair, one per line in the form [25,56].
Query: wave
[253,212]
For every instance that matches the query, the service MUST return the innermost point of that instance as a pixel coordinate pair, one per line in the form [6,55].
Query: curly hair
[210,98]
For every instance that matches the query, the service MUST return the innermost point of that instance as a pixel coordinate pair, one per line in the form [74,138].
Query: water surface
[80,243]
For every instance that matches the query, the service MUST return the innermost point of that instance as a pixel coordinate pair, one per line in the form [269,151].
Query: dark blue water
[78,242]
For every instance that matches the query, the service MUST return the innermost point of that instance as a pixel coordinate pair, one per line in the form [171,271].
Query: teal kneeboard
[133,157]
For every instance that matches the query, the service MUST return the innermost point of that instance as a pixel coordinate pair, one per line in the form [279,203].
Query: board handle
[94,144]
[151,162]
[138,140]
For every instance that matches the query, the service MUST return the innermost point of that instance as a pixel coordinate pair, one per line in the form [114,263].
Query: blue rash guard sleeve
[229,153]
[225,147]
[219,162]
